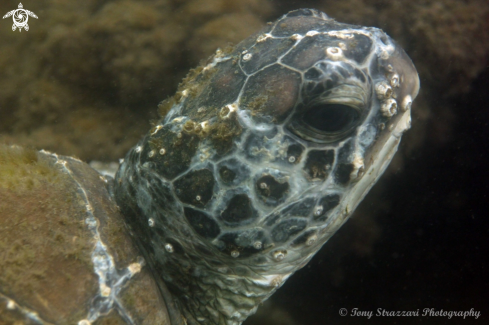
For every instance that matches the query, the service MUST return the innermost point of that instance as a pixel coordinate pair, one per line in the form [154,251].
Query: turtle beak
[402,76]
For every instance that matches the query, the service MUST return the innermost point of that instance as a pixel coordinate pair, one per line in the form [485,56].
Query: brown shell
[52,211]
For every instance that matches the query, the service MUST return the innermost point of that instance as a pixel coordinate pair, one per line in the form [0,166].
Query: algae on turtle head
[264,153]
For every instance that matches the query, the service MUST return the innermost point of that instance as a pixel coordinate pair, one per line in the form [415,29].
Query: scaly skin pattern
[264,153]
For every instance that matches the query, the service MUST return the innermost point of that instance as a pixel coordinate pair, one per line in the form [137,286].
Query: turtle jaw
[403,80]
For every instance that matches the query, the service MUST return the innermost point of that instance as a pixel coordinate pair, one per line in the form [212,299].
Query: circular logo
[20,18]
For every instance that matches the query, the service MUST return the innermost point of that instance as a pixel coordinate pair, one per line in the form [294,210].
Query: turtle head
[264,153]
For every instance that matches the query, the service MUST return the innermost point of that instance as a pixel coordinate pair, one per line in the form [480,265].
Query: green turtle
[20,17]
[262,154]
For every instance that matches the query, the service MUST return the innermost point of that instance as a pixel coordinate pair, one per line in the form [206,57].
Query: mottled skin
[264,153]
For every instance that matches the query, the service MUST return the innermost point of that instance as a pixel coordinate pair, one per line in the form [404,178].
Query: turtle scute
[62,238]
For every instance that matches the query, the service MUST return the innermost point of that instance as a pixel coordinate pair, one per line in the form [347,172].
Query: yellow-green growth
[44,242]
[21,169]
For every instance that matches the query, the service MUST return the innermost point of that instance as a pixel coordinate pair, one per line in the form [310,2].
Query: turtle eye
[326,122]
[331,118]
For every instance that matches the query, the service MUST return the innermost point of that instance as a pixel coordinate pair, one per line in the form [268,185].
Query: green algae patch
[165,106]
[22,170]
[45,245]
[223,132]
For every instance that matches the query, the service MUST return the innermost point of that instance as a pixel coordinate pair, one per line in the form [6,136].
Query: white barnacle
[151,153]
[169,248]
[232,107]
[219,54]
[341,34]
[358,168]
[205,126]
[384,55]
[62,162]
[318,210]
[312,33]
[151,222]
[156,129]
[383,90]
[247,56]
[291,159]
[224,112]
[311,240]
[105,290]
[389,107]
[208,67]
[179,135]
[84,322]
[342,46]
[198,198]
[138,149]
[406,103]
[134,268]
[162,151]
[11,304]
[279,255]
[257,245]
[296,37]
[408,122]
[263,37]
[91,223]
[227,110]
[334,53]
[395,80]
[263,185]
[235,253]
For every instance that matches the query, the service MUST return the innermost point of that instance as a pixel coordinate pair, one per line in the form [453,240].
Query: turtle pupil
[330,117]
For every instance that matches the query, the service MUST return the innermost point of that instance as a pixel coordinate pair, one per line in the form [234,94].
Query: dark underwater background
[85,81]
